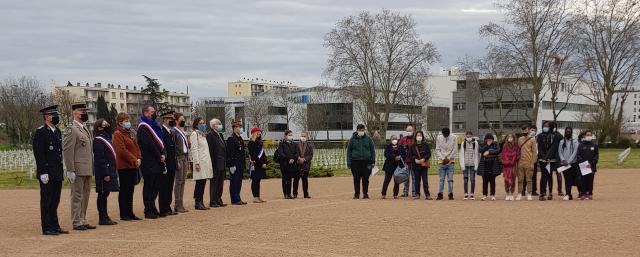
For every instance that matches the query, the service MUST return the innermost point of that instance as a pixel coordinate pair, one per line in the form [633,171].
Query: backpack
[276,155]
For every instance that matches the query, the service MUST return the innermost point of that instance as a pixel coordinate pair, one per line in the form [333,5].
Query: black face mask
[568,134]
[55,120]
[84,117]
[172,123]
[107,130]
[182,124]
[154,116]
[446,132]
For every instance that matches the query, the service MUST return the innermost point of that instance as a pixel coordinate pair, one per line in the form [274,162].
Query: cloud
[204,44]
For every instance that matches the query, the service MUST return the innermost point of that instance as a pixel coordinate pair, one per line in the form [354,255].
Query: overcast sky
[206,43]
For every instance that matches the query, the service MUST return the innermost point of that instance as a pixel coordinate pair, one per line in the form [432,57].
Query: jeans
[469,174]
[405,191]
[446,170]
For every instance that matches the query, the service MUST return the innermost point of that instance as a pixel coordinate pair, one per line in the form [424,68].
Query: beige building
[122,98]
[253,87]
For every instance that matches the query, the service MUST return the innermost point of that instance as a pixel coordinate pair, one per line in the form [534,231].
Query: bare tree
[284,98]
[564,83]
[530,35]
[64,99]
[417,97]
[609,36]
[372,55]
[256,111]
[20,100]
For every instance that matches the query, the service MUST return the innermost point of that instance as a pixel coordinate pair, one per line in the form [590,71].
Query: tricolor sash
[152,132]
[108,144]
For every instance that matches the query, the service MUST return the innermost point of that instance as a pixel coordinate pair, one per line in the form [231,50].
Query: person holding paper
[510,156]
[361,157]
[548,142]
[421,154]
[489,166]
[393,154]
[257,163]
[568,161]
[588,152]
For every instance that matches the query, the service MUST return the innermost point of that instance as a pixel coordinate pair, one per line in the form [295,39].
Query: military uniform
[78,159]
[47,150]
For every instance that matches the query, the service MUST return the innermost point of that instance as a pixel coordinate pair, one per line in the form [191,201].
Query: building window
[460,106]
[113,95]
[274,110]
[277,127]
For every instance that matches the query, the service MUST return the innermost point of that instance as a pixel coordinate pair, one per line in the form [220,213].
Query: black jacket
[47,150]
[217,151]
[169,138]
[104,164]
[425,152]
[236,153]
[588,151]
[390,163]
[150,151]
[548,144]
[494,155]
[287,151]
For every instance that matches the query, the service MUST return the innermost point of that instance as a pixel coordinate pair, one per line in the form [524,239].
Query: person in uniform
[104,157]
[153,159]
[218,152]
[77,150]
[236,155]
[166,187]
[47,150]
[182,162]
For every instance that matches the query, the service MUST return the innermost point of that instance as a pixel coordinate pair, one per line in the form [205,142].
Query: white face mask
[360,133]
[532,133]
[419,138]
[510,140]
[303,139]
[588,138]
[469,139]
[394,142]
[289,138]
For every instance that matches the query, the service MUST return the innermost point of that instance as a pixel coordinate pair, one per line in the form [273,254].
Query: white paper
[548,167]
[583,168]
[374,171]
[563,168]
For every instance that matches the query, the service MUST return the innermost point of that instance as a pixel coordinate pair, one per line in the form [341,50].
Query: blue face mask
[202,127]
[219,127]
[545,129]
[127,125]
[241,130]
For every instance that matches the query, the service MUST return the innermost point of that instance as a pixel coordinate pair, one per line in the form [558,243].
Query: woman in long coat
[104,166]
[489,166]
[202,166]
[258,163]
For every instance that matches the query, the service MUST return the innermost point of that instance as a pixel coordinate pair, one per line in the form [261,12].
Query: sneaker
[529,197]
[484,198]
[519,197]
[428,197]
[465,197]
[493,198]
[439,196]
[472,198]
[450,196]
[589,197]
[565,198]
[506,198]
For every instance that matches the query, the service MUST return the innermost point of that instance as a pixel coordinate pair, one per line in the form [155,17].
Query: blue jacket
[104,164]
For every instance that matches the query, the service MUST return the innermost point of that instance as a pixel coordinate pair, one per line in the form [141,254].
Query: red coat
[510,154]
[127,150]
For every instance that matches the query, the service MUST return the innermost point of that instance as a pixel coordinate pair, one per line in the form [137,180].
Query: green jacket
[361,149]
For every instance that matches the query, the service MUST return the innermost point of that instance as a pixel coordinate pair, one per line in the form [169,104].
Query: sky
[206,43]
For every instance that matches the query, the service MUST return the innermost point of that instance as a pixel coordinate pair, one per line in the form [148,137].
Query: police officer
[47,150]
[77,150]
[166,185]
[236,157]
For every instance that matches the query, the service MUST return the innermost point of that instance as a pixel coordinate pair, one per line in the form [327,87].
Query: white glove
[232,170]
[44,178]
[71,176]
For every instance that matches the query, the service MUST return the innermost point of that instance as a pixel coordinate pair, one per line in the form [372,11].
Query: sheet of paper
[374,171]
[583,168]
[548,167]
[563,168]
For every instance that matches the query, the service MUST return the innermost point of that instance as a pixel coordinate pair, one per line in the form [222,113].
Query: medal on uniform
[50,147]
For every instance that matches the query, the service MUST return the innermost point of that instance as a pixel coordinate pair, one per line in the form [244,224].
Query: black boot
[450,196]
[356,196]
[200,206]
[439,196]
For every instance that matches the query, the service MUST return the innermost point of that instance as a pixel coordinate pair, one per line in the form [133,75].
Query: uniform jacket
[77,149]
[217,150]
[127,149]
[47,150]
[104,164]
[236,153]
[199,154]
[169,139]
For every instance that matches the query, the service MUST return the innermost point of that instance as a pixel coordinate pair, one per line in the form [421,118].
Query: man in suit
[153,159]
[166,186]
[218,152]
[236,156]
[47,150]
[305,149]
[77,145]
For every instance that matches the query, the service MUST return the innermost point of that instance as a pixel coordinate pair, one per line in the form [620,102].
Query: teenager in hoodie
[469,159]
[568,154]
[548,142]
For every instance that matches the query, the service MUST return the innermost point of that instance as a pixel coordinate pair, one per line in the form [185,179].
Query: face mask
[532,134]
[219,127]
[84,117]
[419,138]
[289,138]
[394,142]
[172,123]
[469,139]
[55,120]
[241,130]
[568,134]
[154,116]
[446,132]
[259,137]
[127,125]
[588,138]
[202,127]
[545,130]
[510,140]
[360,133]
[303,139]
[182,123]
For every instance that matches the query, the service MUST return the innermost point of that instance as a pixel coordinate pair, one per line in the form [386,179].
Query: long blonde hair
[254,136]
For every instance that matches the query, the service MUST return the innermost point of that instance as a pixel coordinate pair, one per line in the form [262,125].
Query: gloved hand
[44,178]
[71,176]
[232,170]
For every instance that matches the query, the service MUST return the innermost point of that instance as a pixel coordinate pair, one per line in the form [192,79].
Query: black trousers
[166,191]
[150,191]
[216,187]
[288,174]
[255,187]
[534,179]
[489,179]
[587,184]
[361,172]
[570,178]
[385,185]
[49,201]
[304,176]
[102,205]
[198,192]
[420,174]
[546,178]
[127,187]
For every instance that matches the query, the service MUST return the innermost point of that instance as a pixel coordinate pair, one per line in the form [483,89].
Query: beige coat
[199,154]
[77,150]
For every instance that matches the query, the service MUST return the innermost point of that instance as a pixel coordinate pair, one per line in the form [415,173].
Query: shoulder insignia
[67,131]
[42,126]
